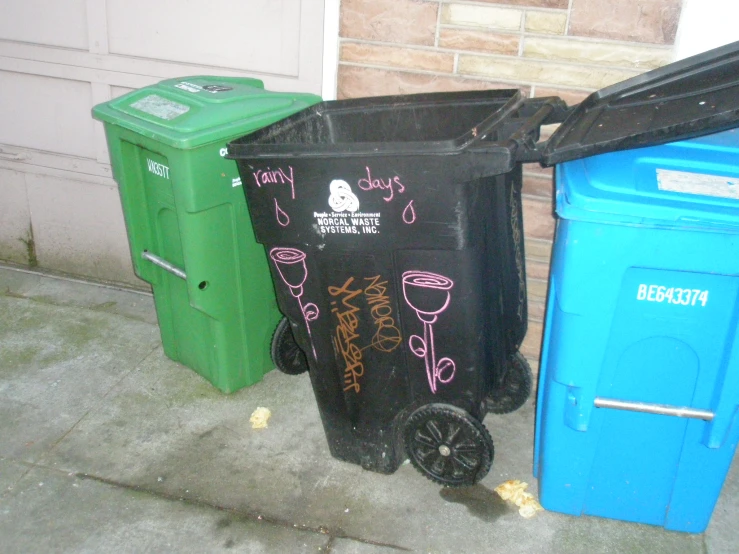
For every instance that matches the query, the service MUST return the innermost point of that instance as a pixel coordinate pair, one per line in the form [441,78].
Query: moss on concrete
[30,247]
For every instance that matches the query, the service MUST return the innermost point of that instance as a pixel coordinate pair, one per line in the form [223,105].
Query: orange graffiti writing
[387,338]
[346,333]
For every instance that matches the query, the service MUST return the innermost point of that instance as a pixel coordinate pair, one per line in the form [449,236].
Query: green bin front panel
[182,201]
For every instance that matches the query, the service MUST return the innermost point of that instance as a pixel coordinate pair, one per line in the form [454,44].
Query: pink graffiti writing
[277,177]
[387,337]
[346,334]
[290,264]
[428,294]
[409,214]
[282,218]
[391,184]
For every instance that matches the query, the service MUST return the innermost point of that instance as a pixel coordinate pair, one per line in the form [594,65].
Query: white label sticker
[672,295]
[345,217]
[158,169]
[192,87]
[160,107]
[357,223]
[698,183]
[189,87]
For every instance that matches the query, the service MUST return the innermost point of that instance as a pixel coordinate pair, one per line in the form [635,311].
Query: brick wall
[567,48]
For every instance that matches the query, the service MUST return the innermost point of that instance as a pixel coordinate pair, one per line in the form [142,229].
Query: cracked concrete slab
[346,546]
[56,364]
[10,473]
[722,534]
[49,511]
[155,432]
[138,305]
[170,432]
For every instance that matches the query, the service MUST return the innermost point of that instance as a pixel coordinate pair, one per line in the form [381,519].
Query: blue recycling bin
[639,375]
[639,384]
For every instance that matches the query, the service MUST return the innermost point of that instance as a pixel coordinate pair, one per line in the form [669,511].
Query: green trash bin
[188,225]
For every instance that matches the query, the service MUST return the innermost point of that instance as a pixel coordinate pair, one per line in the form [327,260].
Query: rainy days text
[388,186]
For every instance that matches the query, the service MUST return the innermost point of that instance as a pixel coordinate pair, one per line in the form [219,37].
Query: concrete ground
[108,446]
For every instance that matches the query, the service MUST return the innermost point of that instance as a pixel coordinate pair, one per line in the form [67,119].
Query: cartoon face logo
[342,199]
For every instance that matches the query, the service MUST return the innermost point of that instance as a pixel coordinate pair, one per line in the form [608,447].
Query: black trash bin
[394,230]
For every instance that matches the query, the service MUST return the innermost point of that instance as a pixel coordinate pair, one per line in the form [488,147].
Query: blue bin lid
[692,183]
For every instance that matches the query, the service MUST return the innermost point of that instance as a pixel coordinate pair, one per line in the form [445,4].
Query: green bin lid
[192,111]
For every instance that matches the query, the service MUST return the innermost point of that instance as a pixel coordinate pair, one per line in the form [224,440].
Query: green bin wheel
[286,354]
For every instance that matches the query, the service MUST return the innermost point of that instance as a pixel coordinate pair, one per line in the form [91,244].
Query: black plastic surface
[448,446]
[286,354]
[394,231]
[682,100]
[515,389]
[398,125]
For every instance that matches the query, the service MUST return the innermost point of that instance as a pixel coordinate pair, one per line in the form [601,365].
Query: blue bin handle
[577,410]
[659,409]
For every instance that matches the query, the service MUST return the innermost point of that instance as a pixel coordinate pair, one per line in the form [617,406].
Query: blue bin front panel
[642,308]
[641,314]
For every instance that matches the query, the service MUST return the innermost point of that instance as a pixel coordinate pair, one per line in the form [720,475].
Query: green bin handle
[164,264]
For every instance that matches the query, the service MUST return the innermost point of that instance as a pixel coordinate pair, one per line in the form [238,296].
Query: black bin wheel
[448,445]
[286,354]
[516,387]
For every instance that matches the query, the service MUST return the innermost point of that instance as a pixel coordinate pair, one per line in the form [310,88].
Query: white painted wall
[330,48]
[706,24]
[59,58]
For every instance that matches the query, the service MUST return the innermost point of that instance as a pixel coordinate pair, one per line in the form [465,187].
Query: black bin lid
[689,98]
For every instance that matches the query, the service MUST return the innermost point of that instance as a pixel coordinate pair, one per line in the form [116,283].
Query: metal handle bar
[164,264]
[660,409]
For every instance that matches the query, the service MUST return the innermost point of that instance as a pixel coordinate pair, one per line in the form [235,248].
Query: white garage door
[59,206]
